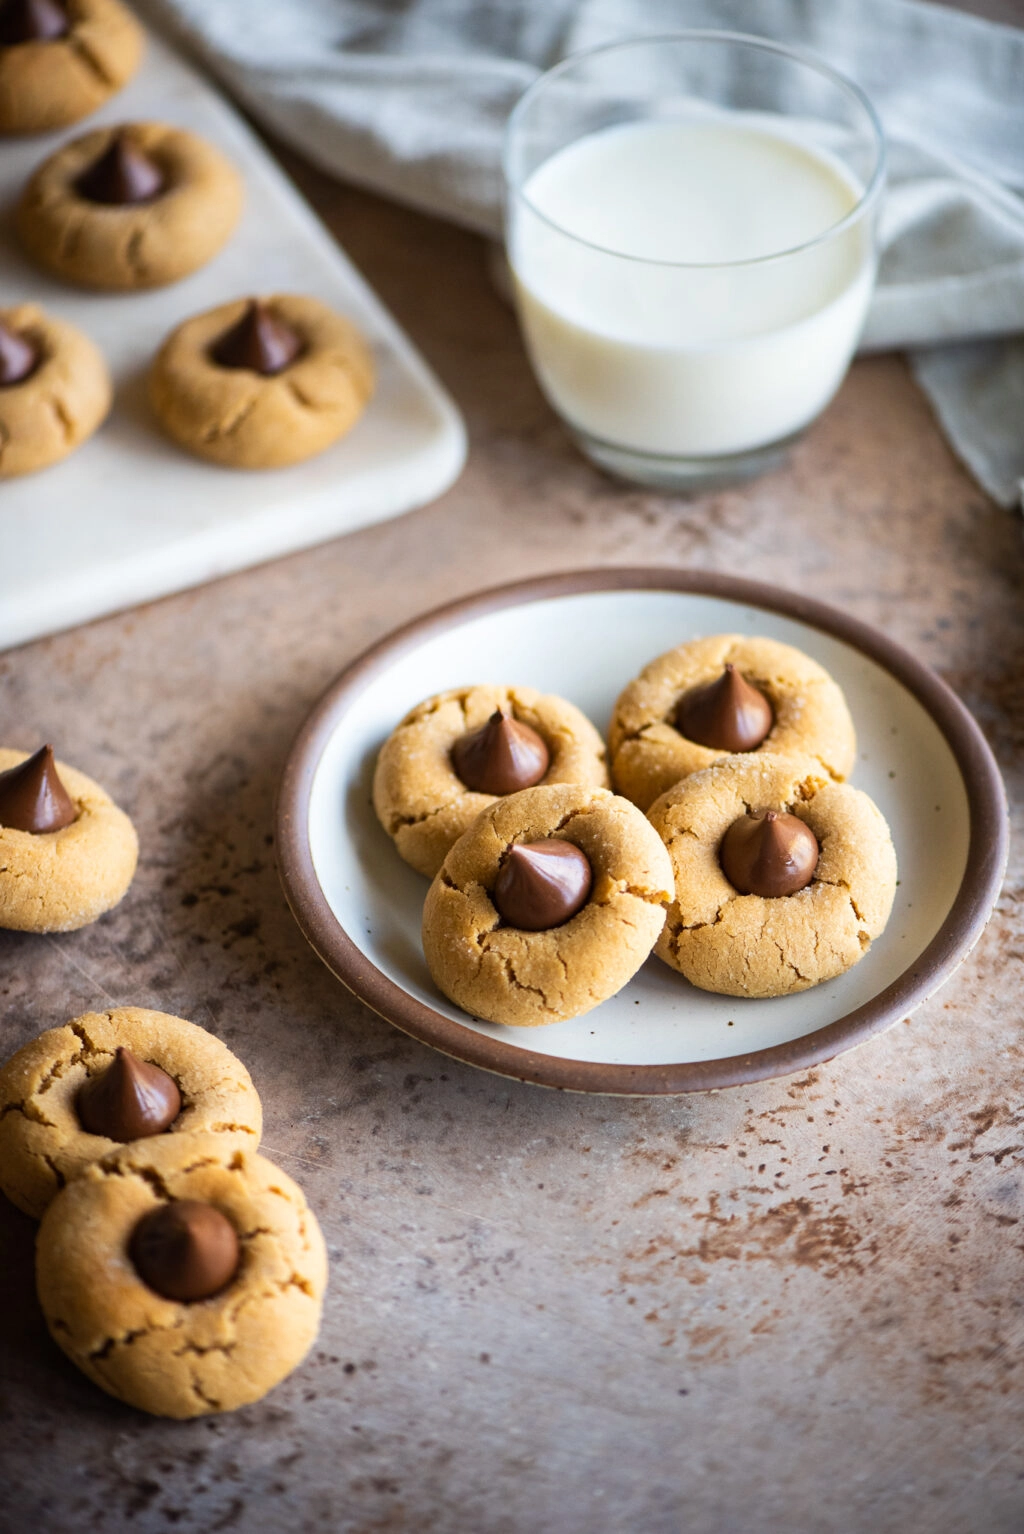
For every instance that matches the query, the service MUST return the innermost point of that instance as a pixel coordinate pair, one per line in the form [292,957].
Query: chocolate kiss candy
[542,884]
[501,757]
[124,174]
[185,1250]
[32,796]
[726,715]
[129,1100]
[18,357]
[259,341]
[32,21]
[771,854]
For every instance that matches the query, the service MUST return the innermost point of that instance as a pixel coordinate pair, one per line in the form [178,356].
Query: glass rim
[869,195]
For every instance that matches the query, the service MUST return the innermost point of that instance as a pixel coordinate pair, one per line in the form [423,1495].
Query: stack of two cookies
[180,1270]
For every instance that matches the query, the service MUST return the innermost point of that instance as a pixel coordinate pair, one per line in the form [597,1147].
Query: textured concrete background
[797,1305]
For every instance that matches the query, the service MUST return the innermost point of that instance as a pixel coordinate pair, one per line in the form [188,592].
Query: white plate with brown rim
[584,635]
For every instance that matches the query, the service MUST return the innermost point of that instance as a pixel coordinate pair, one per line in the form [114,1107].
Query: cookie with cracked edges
[170,1357]
[60,403]
[648,754]
[131,246]
[59,881]
[504,975]
[51,83]
[243,420]
[43,1144]
[751,945]
[422,803]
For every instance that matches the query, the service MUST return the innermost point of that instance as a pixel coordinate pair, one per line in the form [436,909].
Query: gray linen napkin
[410,97]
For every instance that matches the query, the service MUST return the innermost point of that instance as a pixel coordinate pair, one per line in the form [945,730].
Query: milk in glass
[676,294]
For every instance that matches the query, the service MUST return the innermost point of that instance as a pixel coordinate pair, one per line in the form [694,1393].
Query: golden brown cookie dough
[420,801]
[50,84]
[171,1358]
[60,403]
[244,420]
[58,881]
[746,945]
[129,246]
[648,754]
[504,975]
[42,1142]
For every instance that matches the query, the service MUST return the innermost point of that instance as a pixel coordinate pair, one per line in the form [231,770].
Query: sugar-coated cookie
[262,383]
[528,975]
[55,389]
[44,1142]
[423,803]
[129,207]
[62,59]
[745,689]
[750,944]
[66,871]
[182,1215]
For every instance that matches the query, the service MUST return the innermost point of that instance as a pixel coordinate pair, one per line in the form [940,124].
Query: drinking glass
[691,233]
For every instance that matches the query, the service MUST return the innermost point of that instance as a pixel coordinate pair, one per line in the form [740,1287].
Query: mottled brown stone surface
[794,1306]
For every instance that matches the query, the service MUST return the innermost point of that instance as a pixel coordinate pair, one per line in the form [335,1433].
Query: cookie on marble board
[761,907]
[182,1275]
[546,906]
[67,853]
[71,1095]
[456,752]
[720,695]
[55,389]
[129,207]
[61,59]
[262,383]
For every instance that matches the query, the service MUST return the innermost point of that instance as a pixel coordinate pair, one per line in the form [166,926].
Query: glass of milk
[691,235]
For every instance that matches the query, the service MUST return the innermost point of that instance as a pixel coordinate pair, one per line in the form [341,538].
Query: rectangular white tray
[130,516]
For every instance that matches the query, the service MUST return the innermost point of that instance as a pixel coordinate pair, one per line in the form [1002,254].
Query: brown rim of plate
[986,853]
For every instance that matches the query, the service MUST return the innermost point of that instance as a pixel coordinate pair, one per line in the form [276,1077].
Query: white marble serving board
[130,516]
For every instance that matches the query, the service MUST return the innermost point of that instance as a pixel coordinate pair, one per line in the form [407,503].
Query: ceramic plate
[921,757]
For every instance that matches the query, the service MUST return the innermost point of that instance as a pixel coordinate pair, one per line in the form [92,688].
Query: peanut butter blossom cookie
[261,383]
[720,695]
[55,389]
[455,753]
[130,207]
[183,1275]
[783,877]
[67,853]
[547,906]
[75,1093]
[61,59]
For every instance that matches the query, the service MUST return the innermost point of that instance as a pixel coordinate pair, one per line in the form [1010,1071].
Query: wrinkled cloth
[410,98]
